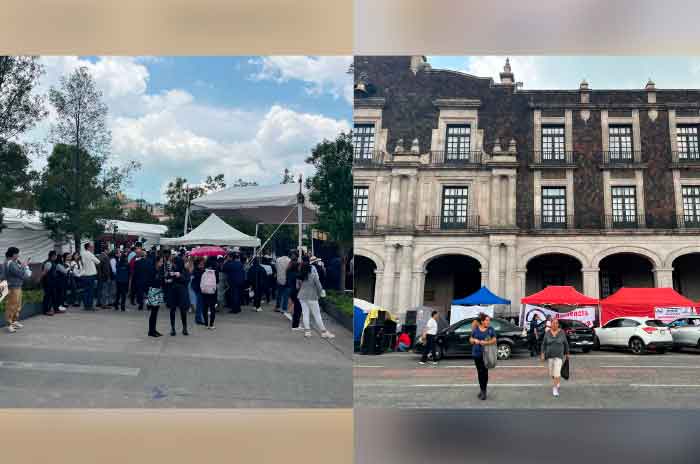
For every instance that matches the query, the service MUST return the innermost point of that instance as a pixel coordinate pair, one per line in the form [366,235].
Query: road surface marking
[659,385]
[641,366]
[369,366]
[71,368]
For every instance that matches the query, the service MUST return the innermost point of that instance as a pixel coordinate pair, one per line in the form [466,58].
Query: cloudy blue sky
[552,72]
[248,117]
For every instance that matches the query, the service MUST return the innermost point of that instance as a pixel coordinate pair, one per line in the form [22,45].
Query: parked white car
[685,332]
[639,334]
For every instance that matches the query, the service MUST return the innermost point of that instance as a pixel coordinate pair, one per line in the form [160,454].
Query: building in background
[460,181]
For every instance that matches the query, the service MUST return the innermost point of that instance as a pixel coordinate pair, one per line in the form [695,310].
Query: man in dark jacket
[235,274]
[257,276]
[104,276]
[532,335]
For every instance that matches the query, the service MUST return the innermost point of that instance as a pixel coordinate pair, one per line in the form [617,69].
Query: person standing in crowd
[49,283]
[156,283]
[195,290]
[532,335]
[270,280]
[104,275]
[15,273]
[222,286]
[139,280]
[90,263]
[62,283]
[258,281]
[481,336]
[206,284]
[310,291]
[292,277]
[113,259]
[132,256]
[429,334]
[75,279]
[121,277]
[318,266]
[282,288]
[235,275]
[548,323]
[555,348]
[176,279]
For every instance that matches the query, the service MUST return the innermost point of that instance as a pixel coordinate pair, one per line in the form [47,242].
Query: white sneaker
[258,310]
[11,328]
[211,327]
[17,325]
[327,334]
[297,329]
[555,391]
[61,309]
[307,334]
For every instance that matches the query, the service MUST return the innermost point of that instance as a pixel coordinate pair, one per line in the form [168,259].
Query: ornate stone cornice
[371,102]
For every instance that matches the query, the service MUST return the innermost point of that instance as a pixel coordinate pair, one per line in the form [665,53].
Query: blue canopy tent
[483,296]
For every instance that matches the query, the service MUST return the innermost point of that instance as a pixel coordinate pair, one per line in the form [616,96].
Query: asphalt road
[105,360]
[600,379]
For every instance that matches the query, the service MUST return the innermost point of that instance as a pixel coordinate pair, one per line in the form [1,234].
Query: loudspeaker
[411,317]
[372,340]
[381,317]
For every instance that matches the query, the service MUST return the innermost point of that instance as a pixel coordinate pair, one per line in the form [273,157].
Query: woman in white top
[310,290]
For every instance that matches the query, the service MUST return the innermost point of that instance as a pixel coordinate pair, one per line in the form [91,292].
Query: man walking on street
[282,289]
[430,333]
[90,263]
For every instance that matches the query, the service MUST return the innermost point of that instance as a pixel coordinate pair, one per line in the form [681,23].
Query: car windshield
[655,323]
[567,323]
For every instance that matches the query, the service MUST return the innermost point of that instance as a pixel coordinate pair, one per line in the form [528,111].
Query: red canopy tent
[559,295]
[641,302]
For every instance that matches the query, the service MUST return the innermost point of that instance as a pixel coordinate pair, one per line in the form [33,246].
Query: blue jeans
[89,293]
[199,308]
[282,297]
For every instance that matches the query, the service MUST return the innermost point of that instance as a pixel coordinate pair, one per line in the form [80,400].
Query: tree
[331,191]
[20,107]
[60,196]
[214,184]
[141,215]
[81,126]
[288,177]
[179,195]
[17,178]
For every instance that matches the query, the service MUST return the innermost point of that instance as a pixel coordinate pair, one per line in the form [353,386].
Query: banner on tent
[670,314]
[460,313]
[585,314]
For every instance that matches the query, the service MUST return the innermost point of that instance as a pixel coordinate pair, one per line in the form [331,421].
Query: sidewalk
[105,359]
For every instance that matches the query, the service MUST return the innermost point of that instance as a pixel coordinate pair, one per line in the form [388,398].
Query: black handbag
[565,369]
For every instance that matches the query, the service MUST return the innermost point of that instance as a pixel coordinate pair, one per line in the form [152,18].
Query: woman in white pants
[310,290]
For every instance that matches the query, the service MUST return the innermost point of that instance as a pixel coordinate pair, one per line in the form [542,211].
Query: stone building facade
[461,181]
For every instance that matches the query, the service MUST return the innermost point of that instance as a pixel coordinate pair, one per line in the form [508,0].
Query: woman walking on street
[206,283]
[481,336]
[555,348]
[310,290]
[155,295]
[176,280]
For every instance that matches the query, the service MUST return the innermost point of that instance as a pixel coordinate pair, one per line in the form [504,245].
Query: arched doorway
[448,277]
[364,278]
[553,269]
[686,275]
[625,270]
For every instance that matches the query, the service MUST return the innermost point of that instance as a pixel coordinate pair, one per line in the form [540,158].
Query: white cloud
[324,74]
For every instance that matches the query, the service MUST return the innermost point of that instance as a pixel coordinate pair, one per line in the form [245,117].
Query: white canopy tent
[272,204]
[214,231]
[151,232]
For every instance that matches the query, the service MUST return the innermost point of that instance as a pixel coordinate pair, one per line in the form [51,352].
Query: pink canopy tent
[208,251]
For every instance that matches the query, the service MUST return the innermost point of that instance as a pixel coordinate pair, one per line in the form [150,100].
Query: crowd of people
[174,279]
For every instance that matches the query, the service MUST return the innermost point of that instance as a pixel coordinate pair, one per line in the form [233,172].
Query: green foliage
[141,215]
[20,107]
[28,297]
[17,178]
[331,187]
[341,300]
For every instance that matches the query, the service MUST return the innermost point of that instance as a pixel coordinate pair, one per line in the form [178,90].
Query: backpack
[208,282]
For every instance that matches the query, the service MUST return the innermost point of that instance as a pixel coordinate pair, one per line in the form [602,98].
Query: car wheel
[661,350]
[504,351]
[586,350]
[596,343]
[637,346]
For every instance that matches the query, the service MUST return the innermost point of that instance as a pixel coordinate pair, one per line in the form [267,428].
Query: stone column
[484,277]
[394,200]
[495,199]
[378,287]
[520,288]
[494,267]
[664,277]
[510,284]
[404,296]
[410,212]
[417,287]
[389,276]
[591,281]
[511,200]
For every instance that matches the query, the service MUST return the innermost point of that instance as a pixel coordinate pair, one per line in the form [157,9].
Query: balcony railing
[617,158]
[688,221]
[463,223]
[553,158]
[544,222]
[365,224]
[442,157]
[685,156]
[625,221]
[370,158]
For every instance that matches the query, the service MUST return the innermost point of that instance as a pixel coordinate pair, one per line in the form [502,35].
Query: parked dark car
[578,334]
[454,340]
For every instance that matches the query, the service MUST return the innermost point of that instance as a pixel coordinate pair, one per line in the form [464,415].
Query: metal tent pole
[300,214]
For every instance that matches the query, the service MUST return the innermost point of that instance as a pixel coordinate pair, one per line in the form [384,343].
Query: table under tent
[481,301]
[559,301]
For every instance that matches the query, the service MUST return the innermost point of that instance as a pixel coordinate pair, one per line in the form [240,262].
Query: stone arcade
[462,182]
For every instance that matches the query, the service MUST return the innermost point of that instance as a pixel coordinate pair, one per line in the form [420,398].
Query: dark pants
[257,297]
[120,300]
[296,314]
[178,298]
[152,319]
[208,309]
[72,296]
[482,373]
[49,303]
[534,346]
[89,291]
[140,294]
[235,292]
[101,284]
[429,347]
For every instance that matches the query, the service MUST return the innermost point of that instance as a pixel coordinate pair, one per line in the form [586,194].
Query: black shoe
[158,334]
[232,312]
[483,395]
[185,332]
[140,308]
[123,309]
[173,333]
[152,334]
